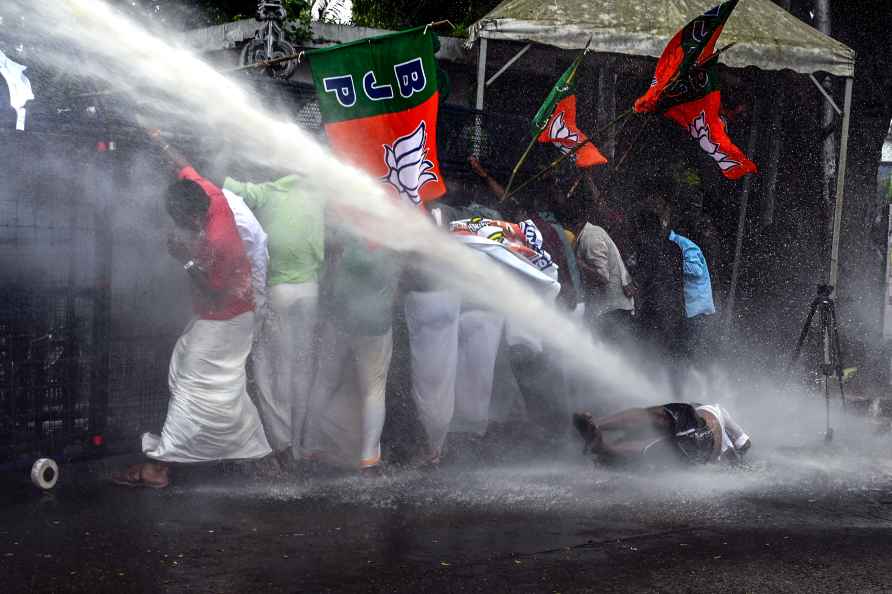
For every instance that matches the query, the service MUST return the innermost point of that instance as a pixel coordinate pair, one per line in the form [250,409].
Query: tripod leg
[837,355]
[825,331]
[803,335]
[827,361]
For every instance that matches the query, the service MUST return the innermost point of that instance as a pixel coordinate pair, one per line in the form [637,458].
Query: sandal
[132,477]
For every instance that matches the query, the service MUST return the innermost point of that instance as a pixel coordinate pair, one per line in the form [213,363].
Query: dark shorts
[689,432]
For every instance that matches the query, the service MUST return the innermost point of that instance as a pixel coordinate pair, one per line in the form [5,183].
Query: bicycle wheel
[255,52]
[252,52]
[282,70]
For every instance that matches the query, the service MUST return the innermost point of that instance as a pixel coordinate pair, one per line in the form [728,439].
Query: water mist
[173,88]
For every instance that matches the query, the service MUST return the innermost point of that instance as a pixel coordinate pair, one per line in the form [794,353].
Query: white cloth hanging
[19,87]
[255,240]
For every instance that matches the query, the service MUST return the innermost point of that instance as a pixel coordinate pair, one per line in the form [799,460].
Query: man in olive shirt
[283,355]
[347,405]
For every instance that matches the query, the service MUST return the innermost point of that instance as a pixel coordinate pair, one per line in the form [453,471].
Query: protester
[433,314]
[660,300]
[539,374]
[609,289]
[210,416]
[255,240]
[675,432]
[283,356]
[454,344]
[347,400]
[559,242]
[518,248]
[697,292]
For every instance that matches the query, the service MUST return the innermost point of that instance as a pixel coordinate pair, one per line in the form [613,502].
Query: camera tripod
[831,362]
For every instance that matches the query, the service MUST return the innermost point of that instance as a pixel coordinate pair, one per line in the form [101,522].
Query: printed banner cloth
[379,101]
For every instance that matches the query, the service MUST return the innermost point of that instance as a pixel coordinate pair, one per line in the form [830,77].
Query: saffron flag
[555,122]
[685,89]
[379,102]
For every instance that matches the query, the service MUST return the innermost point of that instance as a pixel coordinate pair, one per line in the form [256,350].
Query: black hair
[648,224]
[186,201]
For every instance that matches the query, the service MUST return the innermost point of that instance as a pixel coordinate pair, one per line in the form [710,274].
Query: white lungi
[479,335]
[347,407]
[432,318]
[210,416]
[283,362]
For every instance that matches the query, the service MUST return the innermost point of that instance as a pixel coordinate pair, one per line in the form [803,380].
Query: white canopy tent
[765,36]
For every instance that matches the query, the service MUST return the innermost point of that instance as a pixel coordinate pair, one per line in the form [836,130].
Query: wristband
[189,265]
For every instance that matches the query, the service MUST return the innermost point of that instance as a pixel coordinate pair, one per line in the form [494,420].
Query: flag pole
[566,155]
[535,137]
[520,162]
[632,145]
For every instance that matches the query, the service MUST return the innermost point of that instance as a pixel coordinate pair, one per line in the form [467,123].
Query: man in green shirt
[347,406]
[283,354]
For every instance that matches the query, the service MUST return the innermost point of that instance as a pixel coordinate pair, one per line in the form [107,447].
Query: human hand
[154,134]
[631,290]
[179,248]
[476,167]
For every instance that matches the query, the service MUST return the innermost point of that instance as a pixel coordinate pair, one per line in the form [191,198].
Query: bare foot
[591,435]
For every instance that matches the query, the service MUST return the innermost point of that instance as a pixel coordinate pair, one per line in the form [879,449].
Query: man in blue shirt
[698,299]
[697,282]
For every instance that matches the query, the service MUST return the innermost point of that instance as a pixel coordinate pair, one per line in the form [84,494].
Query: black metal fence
[75,374]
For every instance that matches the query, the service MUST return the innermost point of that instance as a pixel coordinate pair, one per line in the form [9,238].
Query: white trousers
[479,335]
[210,416]
[432,318]
[282,360]
[347,407]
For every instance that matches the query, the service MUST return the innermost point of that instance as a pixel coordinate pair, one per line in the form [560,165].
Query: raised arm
[494,186]
[172,155]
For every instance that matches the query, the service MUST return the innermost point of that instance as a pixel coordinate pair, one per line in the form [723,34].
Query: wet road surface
[814,519]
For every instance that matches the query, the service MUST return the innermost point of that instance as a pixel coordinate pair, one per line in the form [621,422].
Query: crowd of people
[307,309]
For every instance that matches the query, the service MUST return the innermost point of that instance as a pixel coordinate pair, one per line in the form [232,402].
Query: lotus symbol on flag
[700,131]
[561,136]
[408,166]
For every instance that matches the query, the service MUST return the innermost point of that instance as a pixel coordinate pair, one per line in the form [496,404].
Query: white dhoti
[479,335]
[283,362]
[210,416]
[432,319]
[347,407]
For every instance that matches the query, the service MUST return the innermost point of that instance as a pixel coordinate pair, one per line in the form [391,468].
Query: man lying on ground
[690,433]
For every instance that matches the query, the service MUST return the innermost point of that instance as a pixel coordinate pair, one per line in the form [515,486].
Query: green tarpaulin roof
[767,36]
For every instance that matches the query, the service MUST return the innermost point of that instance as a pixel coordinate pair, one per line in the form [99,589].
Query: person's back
[659,278]
[697,282]
[555,243]
[294,221]
[600,257]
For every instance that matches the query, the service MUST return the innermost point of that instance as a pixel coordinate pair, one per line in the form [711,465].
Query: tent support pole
[741,225]
[508,64]
[826,95]
[840,183]
[481,74]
